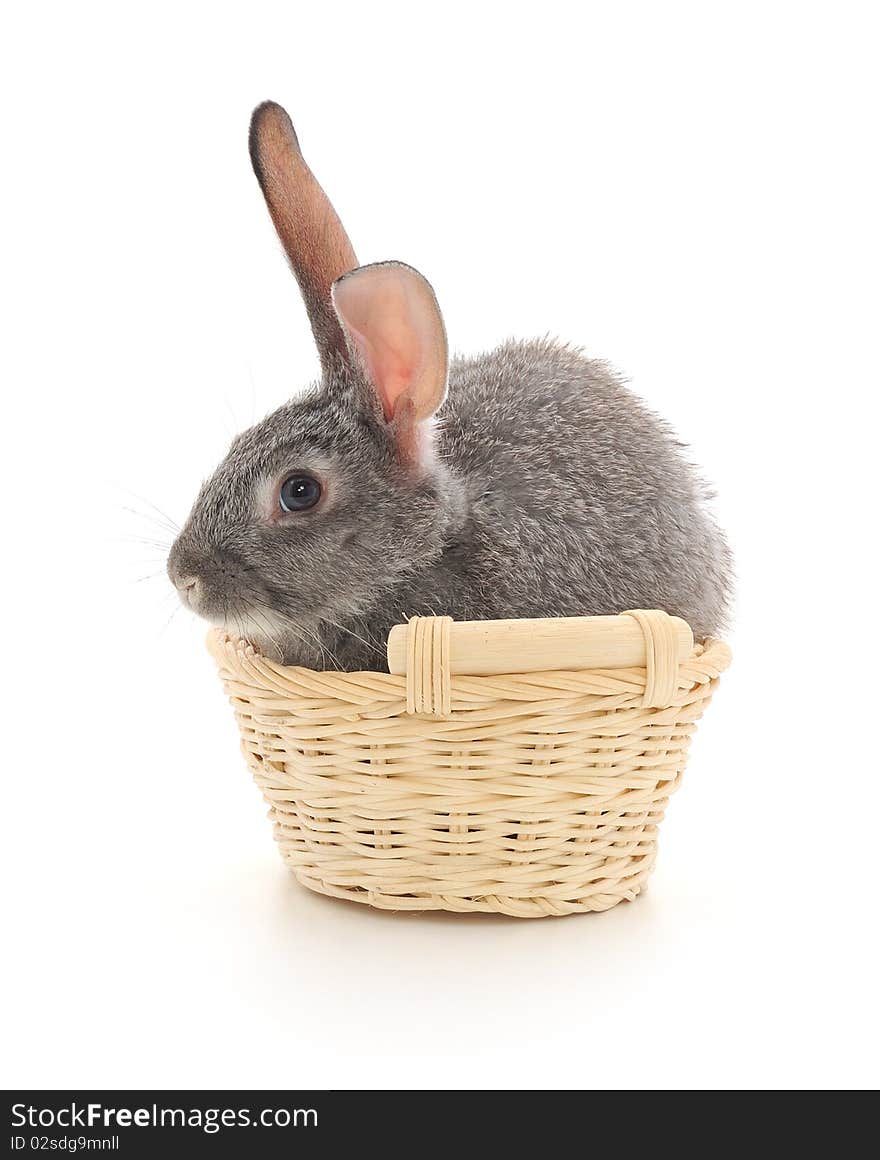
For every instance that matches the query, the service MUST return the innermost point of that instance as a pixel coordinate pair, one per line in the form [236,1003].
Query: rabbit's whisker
[375,648]
[322,645]
[265,627]
[174,612]
[172,524]
[162,524]
[150,543]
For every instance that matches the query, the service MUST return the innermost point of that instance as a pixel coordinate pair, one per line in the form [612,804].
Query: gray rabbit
[525,482]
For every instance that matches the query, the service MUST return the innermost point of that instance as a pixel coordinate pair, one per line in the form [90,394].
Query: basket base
[595,897]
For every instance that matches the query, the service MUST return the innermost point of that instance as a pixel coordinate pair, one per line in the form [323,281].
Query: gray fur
[555,492]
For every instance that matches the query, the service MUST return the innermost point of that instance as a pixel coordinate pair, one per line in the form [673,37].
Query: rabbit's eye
[299,492]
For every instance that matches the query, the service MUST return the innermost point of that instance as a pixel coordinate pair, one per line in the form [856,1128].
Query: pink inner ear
[389,362]
[392,318]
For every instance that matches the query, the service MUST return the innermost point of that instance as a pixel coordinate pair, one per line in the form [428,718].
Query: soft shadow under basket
[516,766]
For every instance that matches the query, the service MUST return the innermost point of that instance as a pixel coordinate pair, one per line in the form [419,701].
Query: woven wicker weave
[534,794]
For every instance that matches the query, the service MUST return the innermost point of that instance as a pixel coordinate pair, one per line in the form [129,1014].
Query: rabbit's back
[580,500]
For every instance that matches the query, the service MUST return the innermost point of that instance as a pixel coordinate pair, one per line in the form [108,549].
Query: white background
[688,190]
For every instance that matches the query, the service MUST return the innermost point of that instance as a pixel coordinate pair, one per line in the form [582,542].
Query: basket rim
[706,663]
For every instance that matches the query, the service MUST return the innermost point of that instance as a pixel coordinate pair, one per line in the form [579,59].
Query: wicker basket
[449,784]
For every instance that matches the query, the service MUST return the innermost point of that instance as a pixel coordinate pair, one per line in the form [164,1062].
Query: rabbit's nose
[188,587]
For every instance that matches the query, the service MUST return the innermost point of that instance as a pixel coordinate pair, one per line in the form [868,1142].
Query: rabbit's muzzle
[208,584]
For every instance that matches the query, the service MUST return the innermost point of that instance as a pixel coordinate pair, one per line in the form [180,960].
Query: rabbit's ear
[394,324]
[312,235]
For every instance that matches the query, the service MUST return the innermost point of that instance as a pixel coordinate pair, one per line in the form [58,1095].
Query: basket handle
[428,650]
